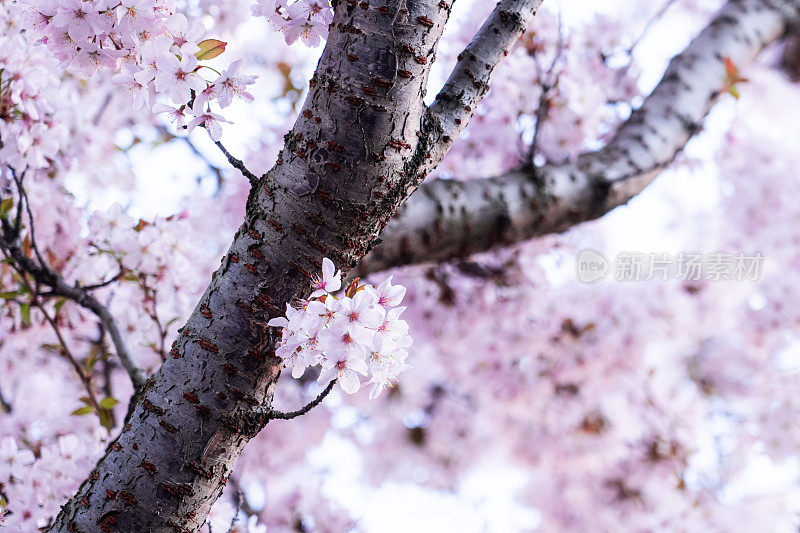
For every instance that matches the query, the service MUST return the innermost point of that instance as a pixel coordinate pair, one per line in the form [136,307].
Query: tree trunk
[352,157]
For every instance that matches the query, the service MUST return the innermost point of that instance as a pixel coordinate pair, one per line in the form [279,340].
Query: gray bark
[353,156]
[447,219]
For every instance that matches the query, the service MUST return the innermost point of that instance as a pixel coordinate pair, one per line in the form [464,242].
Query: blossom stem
[209,68]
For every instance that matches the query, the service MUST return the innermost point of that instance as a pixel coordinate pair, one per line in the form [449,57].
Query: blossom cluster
[155,51]
[307,20]
[584,90]
[38,484]
[358,332]
[28,88]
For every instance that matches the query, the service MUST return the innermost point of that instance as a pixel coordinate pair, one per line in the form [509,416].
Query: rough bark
[352,157]
[446,219]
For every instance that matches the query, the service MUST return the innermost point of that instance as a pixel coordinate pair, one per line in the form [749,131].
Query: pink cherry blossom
[345,366]
[389,295]
[230,83]
[175,114]
[311,32]
[361,311]
[319,10]
[178,77]
[338,333]
[79,17]
[184,37]
[208,120]
[14,462]
[137,92]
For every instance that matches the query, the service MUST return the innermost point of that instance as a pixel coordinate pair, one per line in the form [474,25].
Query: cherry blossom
[230,83]
[184,37]
[178,77]
[389,295]
[642,407]
[360,312]
[311,32]
[306,20]
[345,366]
[153,46]
[138,93]
[339,332]
[330,281]
[175,114]
[205,118]
[13,461]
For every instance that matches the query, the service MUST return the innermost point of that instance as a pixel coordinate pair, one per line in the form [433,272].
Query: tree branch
[196,151]
[237,164]
[448,218]
[469,81]
[278,415]
[256,418]
[11,246]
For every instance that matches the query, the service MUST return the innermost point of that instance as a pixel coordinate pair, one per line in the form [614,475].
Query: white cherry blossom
[329,281]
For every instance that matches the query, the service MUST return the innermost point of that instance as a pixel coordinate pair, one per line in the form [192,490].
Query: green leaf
[82,411]
[210,48]
[8,295]
[5,207]
[105,420]
[25,311]
[94,356]
[108,403]
[59,304]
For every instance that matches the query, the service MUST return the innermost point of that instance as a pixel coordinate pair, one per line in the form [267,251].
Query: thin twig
[237,164]
[238,508]
[104,283]
[24,200]
[150,296]
[245,504]
[44,275]
[548,84]
[102,109]
[108,389]
[263,414]
[65,351]
[278,415]
[653,20]
[196,151]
